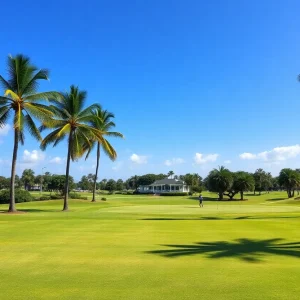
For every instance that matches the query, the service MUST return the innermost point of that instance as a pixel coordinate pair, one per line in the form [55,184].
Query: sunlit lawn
[147,247]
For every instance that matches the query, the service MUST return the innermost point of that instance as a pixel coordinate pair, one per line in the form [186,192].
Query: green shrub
[103,199]
[174,194]
[20,196]
[43,198]
[77,196]
[56,197]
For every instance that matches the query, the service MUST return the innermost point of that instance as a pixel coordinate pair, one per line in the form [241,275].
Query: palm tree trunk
[96,175]
[220,195]
[12,204]
[242,195]
[66,205]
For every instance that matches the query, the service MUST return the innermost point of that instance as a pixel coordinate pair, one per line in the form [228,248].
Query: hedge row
[174,194]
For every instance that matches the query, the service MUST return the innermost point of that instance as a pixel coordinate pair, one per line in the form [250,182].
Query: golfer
[200,200]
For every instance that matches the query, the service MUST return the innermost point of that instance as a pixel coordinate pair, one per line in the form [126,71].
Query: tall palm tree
[73,121]
[21,102]
[103,122]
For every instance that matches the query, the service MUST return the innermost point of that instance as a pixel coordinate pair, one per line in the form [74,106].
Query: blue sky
[193,84]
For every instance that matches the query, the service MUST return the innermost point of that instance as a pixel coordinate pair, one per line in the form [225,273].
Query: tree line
[63,115]
[221,181]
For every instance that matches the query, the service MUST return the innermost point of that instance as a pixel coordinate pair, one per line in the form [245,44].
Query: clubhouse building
[164,186]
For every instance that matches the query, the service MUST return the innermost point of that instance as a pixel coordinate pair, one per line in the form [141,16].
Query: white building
[165,186]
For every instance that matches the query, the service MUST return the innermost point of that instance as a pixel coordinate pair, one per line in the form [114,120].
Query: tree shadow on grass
[212,218]
[27,210]
[245,249]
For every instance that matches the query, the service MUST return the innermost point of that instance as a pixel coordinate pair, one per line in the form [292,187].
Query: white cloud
[277,154]
[227,162]
[202,159]
[174,161]
[56,160]
[32,157]
[138,159]
[4,130]
[247,155]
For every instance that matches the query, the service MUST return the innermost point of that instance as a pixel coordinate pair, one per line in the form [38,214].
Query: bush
[56,197]
[103,199]
[20,196]
[191,193]
[43,198]
[77,196]
[174,194]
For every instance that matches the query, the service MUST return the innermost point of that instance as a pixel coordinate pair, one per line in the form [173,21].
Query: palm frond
[49,139]
[89,110]
[32,128]
[5,84]
[12,94]
[114,134]
[31,86]
[64,130]
[39,111]
[5,112]
[44,96]
[5,100]
[21,137]
[109,150]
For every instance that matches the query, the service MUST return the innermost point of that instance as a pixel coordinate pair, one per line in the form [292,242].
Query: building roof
[167,181]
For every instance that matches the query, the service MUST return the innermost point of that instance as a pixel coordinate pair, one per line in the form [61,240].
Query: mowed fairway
[146,247]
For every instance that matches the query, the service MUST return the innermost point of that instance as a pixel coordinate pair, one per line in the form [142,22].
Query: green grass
[146,247]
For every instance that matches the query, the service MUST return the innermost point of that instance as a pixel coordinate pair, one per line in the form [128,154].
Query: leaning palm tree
[103,122]
[21,101]
[71,120]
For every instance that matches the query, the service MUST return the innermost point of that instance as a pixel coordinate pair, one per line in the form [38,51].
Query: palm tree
[171,173]
[71,120]
[219,180]
[243,181]
[21,101]
[290,180]
[103,122]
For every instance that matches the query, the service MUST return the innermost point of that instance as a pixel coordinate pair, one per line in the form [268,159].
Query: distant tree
[219,181]
[28,178]
[102,184]
[58,182]
[243,182]
[111,185]
[133,182]
[146,179]
[18,182]
[4,182]
[176,177]
[170,174]
[290,180]
[84,183]
[120,185]
[263,181]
